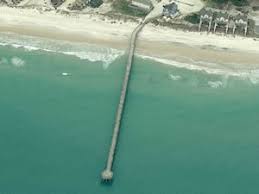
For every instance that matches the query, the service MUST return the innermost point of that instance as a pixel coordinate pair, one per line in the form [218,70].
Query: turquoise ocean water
[183,131]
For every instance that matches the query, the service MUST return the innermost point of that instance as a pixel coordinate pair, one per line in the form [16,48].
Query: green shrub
[240,2]
[193,18]
[123,6]
[235,2]
[95,3]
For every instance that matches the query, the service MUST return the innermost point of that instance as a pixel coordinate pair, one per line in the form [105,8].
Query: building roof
[170,9]
[222,15]
[231,24]
[207,12]
[171,6]
[240,17]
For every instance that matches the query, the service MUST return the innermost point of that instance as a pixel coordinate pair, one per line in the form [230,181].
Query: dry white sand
[155,41]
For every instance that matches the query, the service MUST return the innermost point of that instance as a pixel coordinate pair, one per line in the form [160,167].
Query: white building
[241,21]
[206,16]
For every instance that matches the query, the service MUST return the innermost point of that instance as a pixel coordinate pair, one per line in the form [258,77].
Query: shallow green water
[178,136]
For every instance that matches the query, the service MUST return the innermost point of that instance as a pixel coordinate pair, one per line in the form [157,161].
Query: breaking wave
[215,84]
[82,51]
[175,77]
[251,75]
[17,62]
[107,55]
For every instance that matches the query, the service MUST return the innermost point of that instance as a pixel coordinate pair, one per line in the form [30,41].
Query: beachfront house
[170,10]
[231,23]
[241,21]
[221,19]
[225,20]
[145,5]
[206,16]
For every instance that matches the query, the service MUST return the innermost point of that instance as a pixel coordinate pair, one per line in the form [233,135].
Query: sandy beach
[154,41]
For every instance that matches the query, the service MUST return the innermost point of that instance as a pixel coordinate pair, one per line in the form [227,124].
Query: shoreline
[234,53]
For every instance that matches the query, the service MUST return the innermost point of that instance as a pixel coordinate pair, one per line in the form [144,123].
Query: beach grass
[123,6]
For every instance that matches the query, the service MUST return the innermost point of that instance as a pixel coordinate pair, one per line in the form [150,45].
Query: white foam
[83,51]
[225,81]
[193,66]
[252,75]
[31,48]
[215,84]
[106,57]
[66,74]
[17,62]
[3,44]
[175,77]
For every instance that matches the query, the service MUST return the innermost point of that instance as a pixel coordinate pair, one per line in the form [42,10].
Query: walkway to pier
[107,174]
[184,7]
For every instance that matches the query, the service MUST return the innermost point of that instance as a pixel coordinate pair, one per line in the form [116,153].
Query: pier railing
[107,174]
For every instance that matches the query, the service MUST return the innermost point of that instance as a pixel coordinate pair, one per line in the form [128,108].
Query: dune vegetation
[234,2]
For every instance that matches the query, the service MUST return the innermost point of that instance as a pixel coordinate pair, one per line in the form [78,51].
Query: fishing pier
[107,174]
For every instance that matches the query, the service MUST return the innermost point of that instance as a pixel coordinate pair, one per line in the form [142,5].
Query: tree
[95,3]
[235,2]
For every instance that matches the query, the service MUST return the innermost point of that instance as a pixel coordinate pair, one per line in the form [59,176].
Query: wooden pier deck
[107,174]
